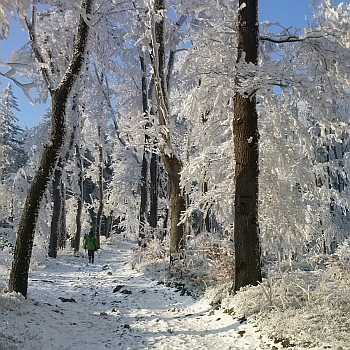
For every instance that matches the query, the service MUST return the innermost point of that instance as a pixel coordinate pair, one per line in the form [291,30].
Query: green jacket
[91,243]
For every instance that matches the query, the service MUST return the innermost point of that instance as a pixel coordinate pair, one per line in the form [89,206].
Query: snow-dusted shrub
[343,251]
[222,257]
[323,320]
[206,255]
[210,256]
[11,304]
[157,269]
[248,301]
[156,249]
[219,292]
[6,258]
[207,260]
[298,307]
[11,301]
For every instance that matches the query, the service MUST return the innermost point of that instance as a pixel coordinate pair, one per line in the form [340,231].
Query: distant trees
[13,154]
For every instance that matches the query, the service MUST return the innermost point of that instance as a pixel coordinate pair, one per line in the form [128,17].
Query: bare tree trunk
[144,165]
[56,211]
[153,206]
[246,135]
[62,233]
[58,233]
[110,225]
[62,230]
[164,186]
[171,162]
[100,186]
[76,242]
[153,169]
[178,206]
[143,200]
[59,97]
[206,221]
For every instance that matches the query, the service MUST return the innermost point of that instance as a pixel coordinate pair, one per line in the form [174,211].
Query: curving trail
[111,306]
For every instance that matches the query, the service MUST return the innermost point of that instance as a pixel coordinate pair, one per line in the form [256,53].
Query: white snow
[110,305]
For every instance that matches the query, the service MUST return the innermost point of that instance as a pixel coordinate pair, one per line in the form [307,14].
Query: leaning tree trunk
[245,131]
[171,162]
[59,96]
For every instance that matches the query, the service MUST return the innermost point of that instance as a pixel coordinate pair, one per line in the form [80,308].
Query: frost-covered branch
[289,39]
[34,44]
[24,86]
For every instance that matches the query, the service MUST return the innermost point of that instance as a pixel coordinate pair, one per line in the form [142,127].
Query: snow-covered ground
[109,305]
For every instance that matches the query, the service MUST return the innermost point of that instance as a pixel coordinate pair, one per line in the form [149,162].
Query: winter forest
[208,151]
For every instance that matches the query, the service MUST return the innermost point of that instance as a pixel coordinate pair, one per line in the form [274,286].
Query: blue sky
[286,12]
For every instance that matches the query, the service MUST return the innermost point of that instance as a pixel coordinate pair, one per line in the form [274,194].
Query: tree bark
[246,135]
[62,230]
[143,200]
[56,212]
[76,242]
[110,224]
[144,165]
[100,186]
[206,220]
[153,170]
[153,206]
[59,96]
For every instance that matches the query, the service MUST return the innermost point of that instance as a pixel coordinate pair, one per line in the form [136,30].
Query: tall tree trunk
[144,165]
[164,193]
[110,224]
[206,221]
[62,233]
[153,169]
[80,200]
[59,97]
[171,162]
[245,131]
[62,230]
[58,233]
[100,186]
[143,199]
[56,211]
[153,205]
[178,205]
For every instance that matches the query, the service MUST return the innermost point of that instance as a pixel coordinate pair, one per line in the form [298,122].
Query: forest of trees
[184,125]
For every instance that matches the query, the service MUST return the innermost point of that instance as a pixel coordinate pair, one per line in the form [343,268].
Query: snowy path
[112,306]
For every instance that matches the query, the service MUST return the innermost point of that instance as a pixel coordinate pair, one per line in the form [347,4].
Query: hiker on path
[91,244]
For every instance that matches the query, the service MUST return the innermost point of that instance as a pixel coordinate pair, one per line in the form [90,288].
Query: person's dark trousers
[91,256]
